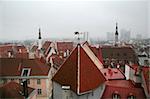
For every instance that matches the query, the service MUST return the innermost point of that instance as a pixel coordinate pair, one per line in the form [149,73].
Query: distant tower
[39,40]
[116,35]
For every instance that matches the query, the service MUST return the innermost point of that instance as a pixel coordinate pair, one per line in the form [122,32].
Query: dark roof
[14,49]
[14,66]
[119,53]
[13,90]
[123,88]
[64,46]
[81,78]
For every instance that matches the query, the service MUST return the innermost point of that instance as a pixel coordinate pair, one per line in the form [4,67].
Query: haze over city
[20,20]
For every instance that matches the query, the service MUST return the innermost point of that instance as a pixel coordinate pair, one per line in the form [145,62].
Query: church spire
[116,29]
[39,40]
[40,34]
[116,34]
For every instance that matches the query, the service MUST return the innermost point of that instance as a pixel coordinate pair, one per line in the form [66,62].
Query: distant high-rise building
[125,35]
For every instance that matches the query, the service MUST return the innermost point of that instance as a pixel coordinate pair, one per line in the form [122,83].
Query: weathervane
[78,34]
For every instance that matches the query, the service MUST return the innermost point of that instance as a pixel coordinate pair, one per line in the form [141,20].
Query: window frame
[39,91]
[38,81]
[28,73]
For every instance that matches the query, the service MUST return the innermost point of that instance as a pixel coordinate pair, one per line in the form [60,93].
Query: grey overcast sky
[60,19]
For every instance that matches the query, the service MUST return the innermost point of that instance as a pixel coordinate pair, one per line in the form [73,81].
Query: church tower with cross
[116,34]
[39,40]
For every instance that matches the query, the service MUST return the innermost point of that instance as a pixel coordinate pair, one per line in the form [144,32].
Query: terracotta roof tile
[64,46]
[9,67]
[89,76]
[98,53]
[120,53]
[123,88]
[112,73]
[46,46]
[16,50]
[12,90]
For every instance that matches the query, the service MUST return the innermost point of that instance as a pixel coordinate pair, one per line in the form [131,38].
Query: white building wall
[127,72]
[58,92]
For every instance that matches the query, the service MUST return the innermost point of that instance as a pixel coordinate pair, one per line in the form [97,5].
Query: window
[131,97]
[39,91]
[25,72]
[116,96]
[12,79]
[38,81]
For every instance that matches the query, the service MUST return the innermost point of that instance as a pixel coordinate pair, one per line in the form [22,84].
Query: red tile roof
[146,74]
[80,73]
[57,61]
[34,48]
[123,88]
[10,67]
[112,73]
[46,46]
[119,53]
[64,46]
[12,90]
[98,53]
[15,49]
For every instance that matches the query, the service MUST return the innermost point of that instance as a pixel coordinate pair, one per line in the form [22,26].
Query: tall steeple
[39,40]
[116,29]
[116,34]
[40,34]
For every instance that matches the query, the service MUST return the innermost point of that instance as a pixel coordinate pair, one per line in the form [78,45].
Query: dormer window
[131,96]
[25,72]
[115,95]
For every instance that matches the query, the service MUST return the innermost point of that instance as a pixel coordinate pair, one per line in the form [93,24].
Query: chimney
[9,54]
[20,51]
[31,55]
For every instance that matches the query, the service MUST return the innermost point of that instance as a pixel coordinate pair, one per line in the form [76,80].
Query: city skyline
[21,20]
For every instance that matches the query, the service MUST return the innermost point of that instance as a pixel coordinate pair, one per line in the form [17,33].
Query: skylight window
[25,72]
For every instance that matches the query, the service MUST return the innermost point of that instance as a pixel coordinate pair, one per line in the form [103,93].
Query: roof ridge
[92,56]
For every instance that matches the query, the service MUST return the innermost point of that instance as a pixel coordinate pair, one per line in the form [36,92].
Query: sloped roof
[57,61]
[112,73]
[63,46]
[120,53]
[15,49]
[98,53]
[146,74]
[46,46]
[12,90]
[79,72]
[123,88]
[34,48]
[14,66]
